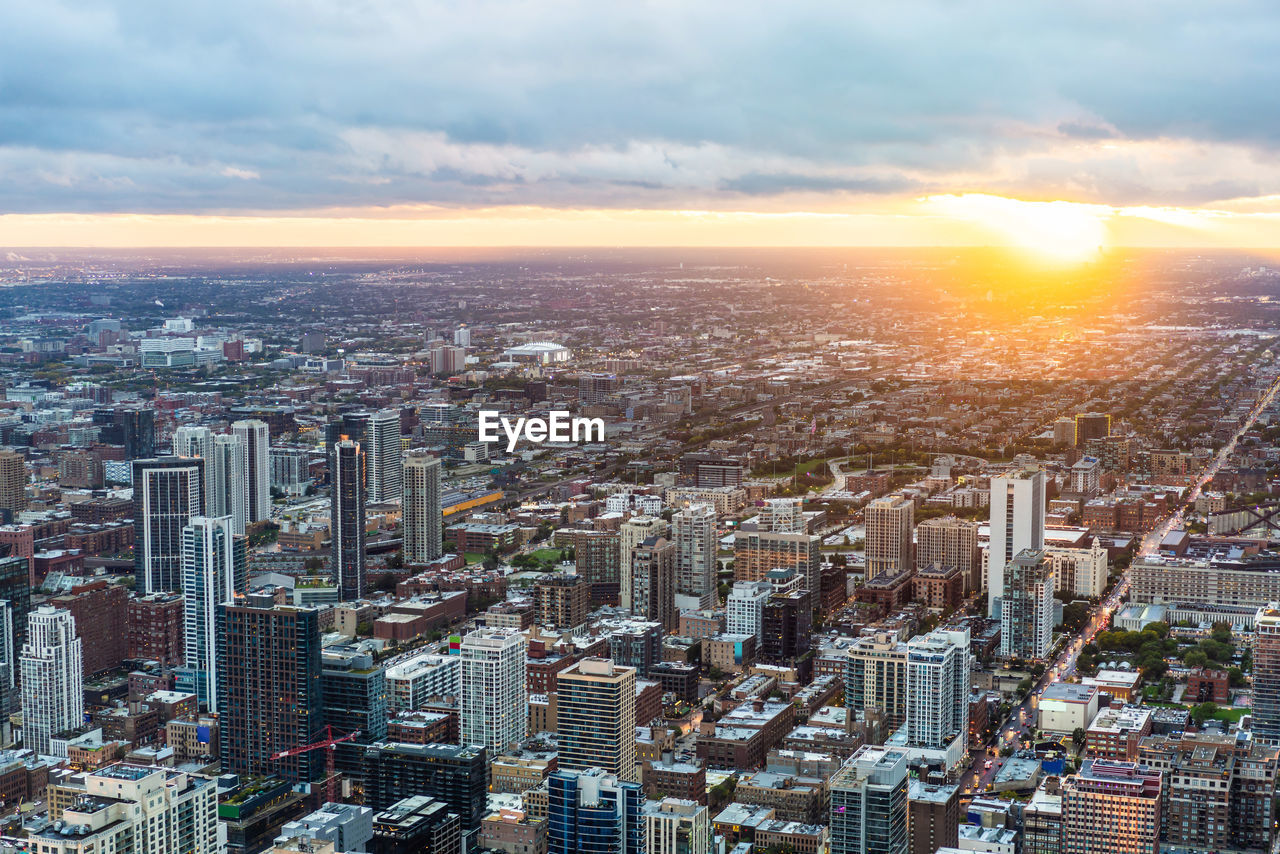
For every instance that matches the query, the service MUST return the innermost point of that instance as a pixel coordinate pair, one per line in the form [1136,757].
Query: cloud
[287,105]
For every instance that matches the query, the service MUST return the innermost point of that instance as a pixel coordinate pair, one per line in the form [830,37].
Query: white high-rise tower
[420,520]
[694,533]
[52,678]
[257,466]
[385,456]
[494,707]
[230,484]
[1017,523]
[214,568]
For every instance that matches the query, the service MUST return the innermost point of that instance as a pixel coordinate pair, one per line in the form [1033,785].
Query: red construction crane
[329,744]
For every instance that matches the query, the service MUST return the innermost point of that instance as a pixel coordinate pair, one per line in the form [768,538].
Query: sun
[1056,232]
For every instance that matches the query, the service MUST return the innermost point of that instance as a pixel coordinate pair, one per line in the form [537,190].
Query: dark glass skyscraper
[269,689]
[346,519]
[457,775]
[167,492]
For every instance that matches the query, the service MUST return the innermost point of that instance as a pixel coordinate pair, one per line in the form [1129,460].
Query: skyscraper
[597,555]
[1111,808]
[215,567]
[938,689]
[890,520]
[385,456]
[15,588]
[694,531]
[131,427]
[1026,614]
[755,553]
[591,812]
[653,582]
[52,678]
[869,803]
[493,710]
[596,717]
[786,625]
[1017,523]
[346,519]
[167,492]
[230,485]
[191,440]
[876,677]
[949,541]
[632,533]
[269,689]
[256,437]
[421,519]
[13,481]
[1266,674]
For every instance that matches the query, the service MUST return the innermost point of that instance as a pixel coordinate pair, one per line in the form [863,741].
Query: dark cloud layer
[261,106]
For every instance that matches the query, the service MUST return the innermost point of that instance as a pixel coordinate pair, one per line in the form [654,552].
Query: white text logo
[559,429]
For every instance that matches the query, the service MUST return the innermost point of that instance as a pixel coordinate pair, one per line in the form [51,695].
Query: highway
[1018,729]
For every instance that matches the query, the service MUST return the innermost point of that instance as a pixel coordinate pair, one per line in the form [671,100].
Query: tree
[1078,737]
[1195,658]
[1236,676]
[1203,712]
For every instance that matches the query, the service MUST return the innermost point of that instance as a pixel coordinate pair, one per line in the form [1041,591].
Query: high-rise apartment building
[494,711]
[455,774]
[225,470]
[1064,432]
[876,677]
[410,683]
[122,808]
[755,553]
[562,600]
[269,689]
[355,700]
[1266,674]
[596,717]
[744,608]
[1092,425]
[597,555]
[421,519]
[869,803]
[949,541]
[1026,614]
[694,532]
[385,456]
[256,439]
[653,582]
[15,588]
[52,678]
[938,688]
[786,625]
[933,816]
[215,567]
[156,626]
[131,427]
[167,492]
[676,826]
[1017,523]
[1111,808]
[13,481]
[890,521]
[192,440]
[632,534]
[346,519]
[591,812]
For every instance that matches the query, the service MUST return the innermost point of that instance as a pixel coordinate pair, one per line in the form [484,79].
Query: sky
[1057,127]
